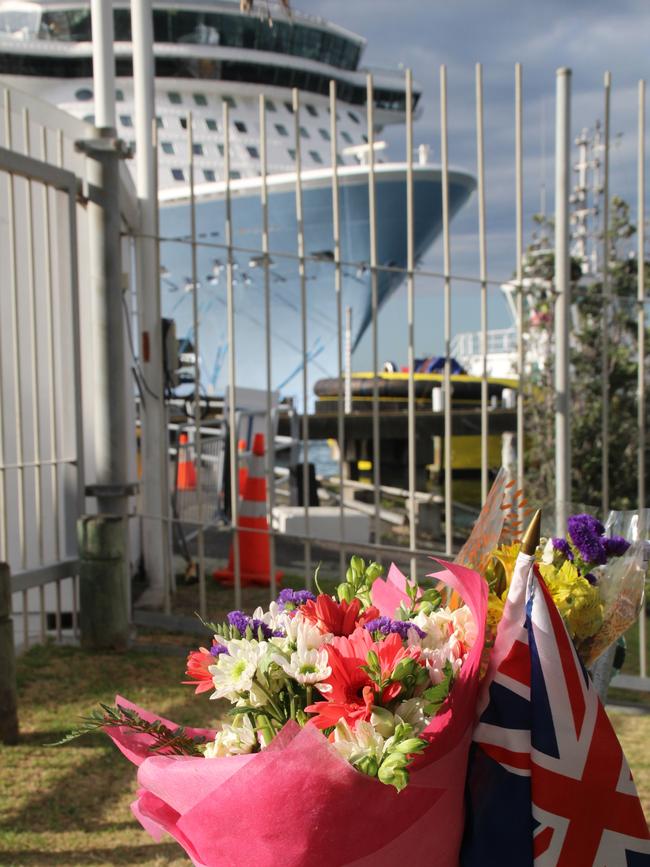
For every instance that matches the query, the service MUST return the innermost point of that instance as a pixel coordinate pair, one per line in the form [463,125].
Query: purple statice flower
[242,621]
[386,626]
[562,547]
[586,533]
[591,578]
[239,620]
[217,649]
[616,546]
[293,598]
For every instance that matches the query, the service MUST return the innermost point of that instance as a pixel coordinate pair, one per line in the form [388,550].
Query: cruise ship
[208,53]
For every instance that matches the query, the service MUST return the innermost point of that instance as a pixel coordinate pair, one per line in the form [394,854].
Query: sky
[588,36]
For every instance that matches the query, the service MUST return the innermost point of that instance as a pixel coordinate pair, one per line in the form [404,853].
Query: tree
[589,312]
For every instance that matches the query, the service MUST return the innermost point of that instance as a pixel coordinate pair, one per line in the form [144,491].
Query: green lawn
[70,805]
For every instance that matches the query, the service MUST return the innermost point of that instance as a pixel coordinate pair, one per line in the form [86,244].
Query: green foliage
[359,579]
[590,317]
[168,741]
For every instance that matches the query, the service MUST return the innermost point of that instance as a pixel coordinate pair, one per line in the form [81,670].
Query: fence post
[8,696]
[102,584]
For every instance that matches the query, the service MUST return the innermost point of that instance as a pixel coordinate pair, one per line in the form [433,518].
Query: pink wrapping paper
[299,804]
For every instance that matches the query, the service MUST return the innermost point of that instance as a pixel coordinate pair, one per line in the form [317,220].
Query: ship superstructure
[208,53]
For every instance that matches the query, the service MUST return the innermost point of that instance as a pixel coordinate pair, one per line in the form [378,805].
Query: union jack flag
[548,784]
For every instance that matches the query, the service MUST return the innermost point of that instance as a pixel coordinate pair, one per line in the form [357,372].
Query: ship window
[346,136]
[253,152]
[365,138]
[292,153]
[221,150]
[230,101]
[324,134]
[304,132]
[197,149]
[183,122]
[235,175]
[175,97]
[167,147]
[159,122]
[270,105]
[240,126]
[209,175]
[317,158]
[211,124]
[119,95]
[178,174]
[289,107]
[354,117]
[312,110]
[200,99]
[126,120]
[282,130]
[90,118]
[339,160]
[84,94]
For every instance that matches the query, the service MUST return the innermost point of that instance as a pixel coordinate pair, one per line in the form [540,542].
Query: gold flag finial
[531,537]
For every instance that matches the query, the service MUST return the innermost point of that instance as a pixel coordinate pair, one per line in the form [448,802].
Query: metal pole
[303,306]
[519,195]
[153,414]
[232,405]
[338,288]
[641,341]
[348,360]
[563,300]
[447,314]
[410,316]
[480,162]
[200,539]
[270,430]
[110,388]
[374,302]
[606,307]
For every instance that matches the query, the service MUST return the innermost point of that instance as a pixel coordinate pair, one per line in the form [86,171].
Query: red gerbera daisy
[197,668]
[339,618]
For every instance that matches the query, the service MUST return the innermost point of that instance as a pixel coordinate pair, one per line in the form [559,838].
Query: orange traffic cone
[254,548]
[243,466]
[186,473]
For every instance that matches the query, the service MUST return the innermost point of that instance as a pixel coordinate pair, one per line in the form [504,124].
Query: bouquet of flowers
[348,733]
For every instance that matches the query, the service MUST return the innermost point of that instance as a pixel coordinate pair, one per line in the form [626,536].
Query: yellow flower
[494,611]
[577,600]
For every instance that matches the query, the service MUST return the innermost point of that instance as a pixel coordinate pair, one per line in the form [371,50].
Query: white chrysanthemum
[301,632]
[234,671]
[271,617]
[308,667]
[362,740]
[464,626]
[233,740]
[412,712]
[437,628]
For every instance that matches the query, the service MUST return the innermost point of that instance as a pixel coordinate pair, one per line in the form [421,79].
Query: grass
[70,805]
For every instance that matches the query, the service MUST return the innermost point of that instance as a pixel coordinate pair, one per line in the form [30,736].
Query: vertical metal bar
[200,540]
[449,518]
[26,619]
[374,303]
[103,62]
[32,307]
[410,316]
[50,336]
[17,367]
[232,404]
[4,541]
[41,605]
[606,306]
[348,360]
[641,341]
[519,196]
[57,594]
[480,162]
[300,226]
[75,606]
[338,289]
[562,298]
[270,428]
